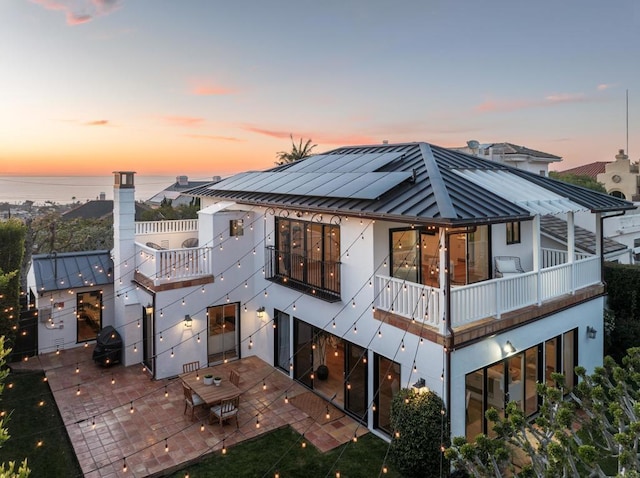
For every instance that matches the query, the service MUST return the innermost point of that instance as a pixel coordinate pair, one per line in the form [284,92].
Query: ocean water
[63,189]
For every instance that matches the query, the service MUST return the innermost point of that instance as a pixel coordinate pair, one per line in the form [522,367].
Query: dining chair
[227,409]
[190,367]
[234,378]
[191,400]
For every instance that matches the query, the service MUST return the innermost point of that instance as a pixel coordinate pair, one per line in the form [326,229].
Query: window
[307,257]
[236,227]
[542,172]
[636,243]
[89,315]
[513,232]
[516,379]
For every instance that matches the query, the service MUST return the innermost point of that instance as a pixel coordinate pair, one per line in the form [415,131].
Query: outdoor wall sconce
[509,348]
[188,321]
[420,386]
[591,332]
[149,310]
[260,312]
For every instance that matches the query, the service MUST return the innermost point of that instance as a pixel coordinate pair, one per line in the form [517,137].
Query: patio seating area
[117,413]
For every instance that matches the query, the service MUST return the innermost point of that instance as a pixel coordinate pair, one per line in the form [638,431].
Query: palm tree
[298,152]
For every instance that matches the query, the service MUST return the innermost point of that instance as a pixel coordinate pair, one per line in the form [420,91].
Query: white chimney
[126,308]
[182,180]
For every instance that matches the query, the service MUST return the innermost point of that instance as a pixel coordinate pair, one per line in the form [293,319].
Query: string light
[124,465]
[250,342]
[286,398]
[224,448]
[166,392]
[77,368]
[201,426]
[93,423]
[78,391]
[113,380]
[131,408]
[166,445]
[257,422]
[172,354]
[402,345]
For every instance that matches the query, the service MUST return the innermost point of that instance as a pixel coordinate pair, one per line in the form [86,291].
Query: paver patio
[157,435]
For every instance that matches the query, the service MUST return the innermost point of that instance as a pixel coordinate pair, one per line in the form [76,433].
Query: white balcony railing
[553,257]
[166,227]
[170,265]
[414,301]
[485,299]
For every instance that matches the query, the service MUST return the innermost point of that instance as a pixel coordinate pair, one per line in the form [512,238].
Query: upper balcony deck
[161,255]
[490,299]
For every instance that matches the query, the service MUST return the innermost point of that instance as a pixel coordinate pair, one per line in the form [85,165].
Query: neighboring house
[97,209]
[385,266]
[511,154]
[175,192]
[621,179]
[73,292]
[555,234]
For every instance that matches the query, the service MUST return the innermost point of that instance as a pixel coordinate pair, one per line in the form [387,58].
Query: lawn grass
[31,422]
[280,451]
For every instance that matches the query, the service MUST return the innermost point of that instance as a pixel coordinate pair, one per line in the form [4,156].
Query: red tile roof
[591,169]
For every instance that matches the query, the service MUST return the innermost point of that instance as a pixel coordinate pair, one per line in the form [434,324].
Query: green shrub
[420,431]
[623,287]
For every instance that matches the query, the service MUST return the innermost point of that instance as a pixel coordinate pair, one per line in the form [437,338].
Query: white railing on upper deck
[166,227]
[414,301]
[486,299]
[553,257]
[170,265]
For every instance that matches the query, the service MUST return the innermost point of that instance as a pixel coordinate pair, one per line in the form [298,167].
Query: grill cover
[108,347]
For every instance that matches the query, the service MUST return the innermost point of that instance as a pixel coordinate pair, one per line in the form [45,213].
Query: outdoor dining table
[210,394]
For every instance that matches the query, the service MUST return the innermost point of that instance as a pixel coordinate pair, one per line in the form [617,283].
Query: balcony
[487,299]
[306,274]
[173,265]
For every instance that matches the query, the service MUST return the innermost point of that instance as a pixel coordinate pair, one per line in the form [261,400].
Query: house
[368,269]
[176,192]
[511,154]
[73,293]
[620,179]
[97,209]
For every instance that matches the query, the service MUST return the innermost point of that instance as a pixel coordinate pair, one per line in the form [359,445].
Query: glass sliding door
[404,257]
[387,384]
[355,386]
[224,332]
[282,338]
[148,343]
[303,356]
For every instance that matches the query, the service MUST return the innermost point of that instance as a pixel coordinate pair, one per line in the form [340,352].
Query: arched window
[617,194]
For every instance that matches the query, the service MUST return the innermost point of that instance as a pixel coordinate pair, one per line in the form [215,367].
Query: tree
[49,233]
[420,431]
[579,180]
[8,470]
[298,152]
[167,212]
[12,239]
[592,430]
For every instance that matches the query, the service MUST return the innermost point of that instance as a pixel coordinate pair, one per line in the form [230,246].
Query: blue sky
[205,87]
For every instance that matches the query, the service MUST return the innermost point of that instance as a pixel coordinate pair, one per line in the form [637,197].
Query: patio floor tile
[140,437]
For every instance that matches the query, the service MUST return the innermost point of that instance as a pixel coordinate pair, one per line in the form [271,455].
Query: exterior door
[224,332]
[303,356]
[148,344]
[355,388]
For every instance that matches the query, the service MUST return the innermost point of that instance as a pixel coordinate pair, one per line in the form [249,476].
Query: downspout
[449,340]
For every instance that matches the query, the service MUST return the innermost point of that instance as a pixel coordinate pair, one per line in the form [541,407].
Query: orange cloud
[566,98]
[605,86]
[315,137]
[97,123]
[208,88]
[80,11]
[187,121]
[212,137]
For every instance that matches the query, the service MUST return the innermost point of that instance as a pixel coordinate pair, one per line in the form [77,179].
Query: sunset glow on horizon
[212,88]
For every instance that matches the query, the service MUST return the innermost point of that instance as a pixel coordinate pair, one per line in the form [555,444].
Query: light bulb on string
[172,354]
[183,301]
[224,448]
[201,426]
[131,408]
[166,445]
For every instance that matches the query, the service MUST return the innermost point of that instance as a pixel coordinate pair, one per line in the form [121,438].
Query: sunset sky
[205,87]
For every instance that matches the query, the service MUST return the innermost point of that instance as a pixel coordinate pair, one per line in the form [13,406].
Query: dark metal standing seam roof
[434,193]
[72,270]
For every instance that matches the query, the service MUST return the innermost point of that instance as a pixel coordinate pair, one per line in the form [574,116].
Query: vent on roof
[182,180]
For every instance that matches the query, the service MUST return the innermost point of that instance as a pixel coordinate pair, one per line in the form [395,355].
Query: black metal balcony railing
[298,271]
